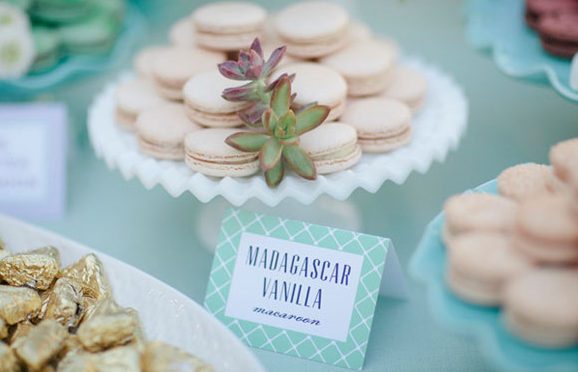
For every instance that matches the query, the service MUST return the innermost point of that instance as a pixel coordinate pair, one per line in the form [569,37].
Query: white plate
[166,314]
[437,128]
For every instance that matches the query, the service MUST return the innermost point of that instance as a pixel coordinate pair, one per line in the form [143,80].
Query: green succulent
[279,144]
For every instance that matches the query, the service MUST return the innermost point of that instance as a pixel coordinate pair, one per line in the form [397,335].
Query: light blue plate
[76,66]
[499,26]
[502,349]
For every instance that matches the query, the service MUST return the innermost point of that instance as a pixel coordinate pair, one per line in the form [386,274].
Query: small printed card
[33,139]
[300,289]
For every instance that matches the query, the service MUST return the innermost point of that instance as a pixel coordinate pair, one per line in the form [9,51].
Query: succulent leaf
[286,126]
[252,114]
[242,93]
[231,70]
[310,118]
[274,60]
[281,96]
[256,46]
[255,66]
[274,83]
[299,161]
[270,154]
[274,176]
[247,141]
[270,120]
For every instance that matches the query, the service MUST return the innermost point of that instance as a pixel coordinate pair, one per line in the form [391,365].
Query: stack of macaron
[519,250]
[336,62]
[59,28]
[556,22]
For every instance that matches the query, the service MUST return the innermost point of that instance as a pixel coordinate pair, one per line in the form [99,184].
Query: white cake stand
[438,127]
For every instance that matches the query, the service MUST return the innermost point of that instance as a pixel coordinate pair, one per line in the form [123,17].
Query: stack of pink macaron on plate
[166,122]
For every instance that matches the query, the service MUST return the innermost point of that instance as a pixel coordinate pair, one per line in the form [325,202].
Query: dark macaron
[559,34]
[536,9]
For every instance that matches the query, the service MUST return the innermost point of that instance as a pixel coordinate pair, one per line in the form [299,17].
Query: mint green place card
[300,289]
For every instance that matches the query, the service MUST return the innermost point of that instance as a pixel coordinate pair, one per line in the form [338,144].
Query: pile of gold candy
[65,319]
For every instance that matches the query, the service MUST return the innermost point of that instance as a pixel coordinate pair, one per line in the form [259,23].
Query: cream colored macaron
[205,105]
[563,157]
[481,264]
[407,85]
[133,97]
[547,229]
[207,153]
[366,65]
[161,131]
[317,83]
[143,61]
[182,33]
[382,124]
[541,307]
[525,181]
[478,212]
[313,29]
[228,26]
[332,147]
[174,66]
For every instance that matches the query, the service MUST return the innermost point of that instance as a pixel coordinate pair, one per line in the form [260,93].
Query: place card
[33,160]
[300,289]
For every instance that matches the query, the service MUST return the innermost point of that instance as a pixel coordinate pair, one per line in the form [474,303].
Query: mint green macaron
[61,11]
[96,35]
[47,48]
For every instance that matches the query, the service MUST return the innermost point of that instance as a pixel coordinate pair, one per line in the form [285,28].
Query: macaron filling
[163,150]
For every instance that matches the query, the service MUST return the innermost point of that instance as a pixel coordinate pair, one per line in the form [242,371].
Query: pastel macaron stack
[207,153]
[519,250]
[228,26]
[333,61]
[133,97]
[313,29]
[204,104]
[382,124]
[161,131]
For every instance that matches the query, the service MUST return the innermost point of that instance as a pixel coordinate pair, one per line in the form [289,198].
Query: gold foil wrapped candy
[8,361]
[108,326]
[41,344]
[18,303]
[3,329]
[161,357]
[64,303]
[89,273]
[36,269]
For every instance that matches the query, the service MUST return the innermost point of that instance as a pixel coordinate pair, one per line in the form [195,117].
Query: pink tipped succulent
[251,66]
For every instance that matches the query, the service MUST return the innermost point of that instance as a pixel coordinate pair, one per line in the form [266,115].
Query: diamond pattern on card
[348,354]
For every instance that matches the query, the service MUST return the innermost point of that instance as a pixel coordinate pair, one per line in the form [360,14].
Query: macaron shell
[541,306]
[144,59]
[229,17]
[136,95]
[563,159]
[207,153]
[550,218]
[173,67]
[480,212]
[407,85]
[226,42]
[161,130]
[204,92]
[377,118]
[473,291]
[387,144]
[524,181]
[318,49]
[332,146]
[316,83]
[182,33]
[311,21]
[544,251]
[362,59]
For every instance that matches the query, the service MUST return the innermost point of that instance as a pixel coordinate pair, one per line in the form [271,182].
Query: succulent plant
[279,144]
[251,66]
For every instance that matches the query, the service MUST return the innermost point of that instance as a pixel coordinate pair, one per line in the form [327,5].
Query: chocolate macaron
[559,34]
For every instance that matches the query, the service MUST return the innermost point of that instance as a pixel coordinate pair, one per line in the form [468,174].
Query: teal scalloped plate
[72,67]
[500,348]
[499,26]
